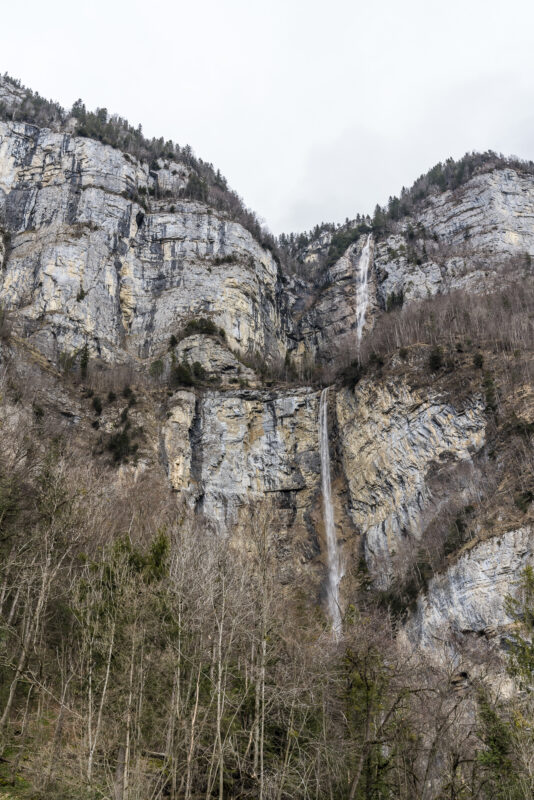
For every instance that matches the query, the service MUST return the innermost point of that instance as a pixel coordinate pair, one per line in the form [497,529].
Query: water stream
[335,569]
[362,290]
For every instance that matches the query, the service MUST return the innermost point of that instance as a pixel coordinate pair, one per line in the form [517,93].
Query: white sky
[313,110]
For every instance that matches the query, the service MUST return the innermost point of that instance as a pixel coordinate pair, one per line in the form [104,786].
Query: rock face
[393,441]
[228,451]
[217,362]
[176,446]
[469,598]
[404,277]
[90,255]
[238,445]
[460,239]
[329,326]
[493,212]
[89,263]
[11,96]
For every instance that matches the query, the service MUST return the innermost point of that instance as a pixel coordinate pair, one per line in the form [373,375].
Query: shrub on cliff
[157,368]
[200,325]
[5,324]
[435,359]
[181,375]
[84,361]
[351,375]
[121,446]
[395,300]
[198,371]
[228,259]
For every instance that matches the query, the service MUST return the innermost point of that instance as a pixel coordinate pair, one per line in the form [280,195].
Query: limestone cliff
[476,237]
[227,452]
[88,262]
[468,599]
[99,248]
[396,446]
[328,326]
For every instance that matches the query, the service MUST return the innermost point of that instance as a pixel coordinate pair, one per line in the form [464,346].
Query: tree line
[205,183]
[449,175]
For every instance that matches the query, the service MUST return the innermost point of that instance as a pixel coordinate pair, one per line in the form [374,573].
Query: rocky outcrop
[460,239]
[11,95]
[394,447]
[245,444]
[469,597]
[216,362]
[402,276]
[88,262]
[493,212]
[329,326]
[176,441]
[228,452]
[392,441]
[315,252]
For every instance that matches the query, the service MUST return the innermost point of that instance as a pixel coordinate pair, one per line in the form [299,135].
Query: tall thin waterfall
[335,570]
[362,291]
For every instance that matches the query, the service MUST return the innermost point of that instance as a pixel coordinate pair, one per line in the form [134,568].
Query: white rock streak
[335,569]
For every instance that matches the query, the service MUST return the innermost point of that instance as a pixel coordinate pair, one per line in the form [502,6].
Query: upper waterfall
[362,290]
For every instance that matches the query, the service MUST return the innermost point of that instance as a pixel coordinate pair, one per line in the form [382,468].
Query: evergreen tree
[521,610]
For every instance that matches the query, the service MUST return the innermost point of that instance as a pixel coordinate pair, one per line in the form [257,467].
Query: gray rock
[88,263]
[390,438]
[469,597]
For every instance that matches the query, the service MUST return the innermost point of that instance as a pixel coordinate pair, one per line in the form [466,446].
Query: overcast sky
[314,111]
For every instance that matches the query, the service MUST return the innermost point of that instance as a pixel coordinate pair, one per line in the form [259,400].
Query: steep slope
[104,256]
[399,446]
[87,262]
[182,612]
[468,600]
[476,237]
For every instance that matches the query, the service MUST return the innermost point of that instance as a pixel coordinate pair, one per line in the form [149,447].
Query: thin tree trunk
[262,728]
[94,738]
[118,783]
[57,732]
[18,672]
[22,737]
[286,754]
[127,747]
[192,740]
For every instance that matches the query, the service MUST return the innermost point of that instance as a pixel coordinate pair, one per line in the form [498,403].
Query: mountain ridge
[167,576]
[16,99]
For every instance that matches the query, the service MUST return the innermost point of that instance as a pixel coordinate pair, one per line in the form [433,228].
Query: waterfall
[335,571]
[362,291]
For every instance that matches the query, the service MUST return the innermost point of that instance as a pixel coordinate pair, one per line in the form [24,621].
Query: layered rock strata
[393,439]
[88,263]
